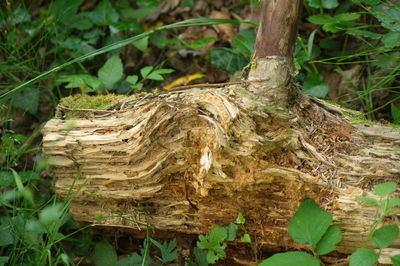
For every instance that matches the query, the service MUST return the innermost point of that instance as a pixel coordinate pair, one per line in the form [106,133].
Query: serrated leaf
[231,230]
[395,260]
[145,71]
[309,223]
[385,235]
[385,189]
[104,255]
[168,250]
[111,72]
[80,81]
[201,256]
[218,234]
[391,39]
[329,240]
[388,15]
[293,258]
[363,257]
[368,201]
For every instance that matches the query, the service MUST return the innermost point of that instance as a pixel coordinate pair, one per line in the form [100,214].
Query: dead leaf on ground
[226,31]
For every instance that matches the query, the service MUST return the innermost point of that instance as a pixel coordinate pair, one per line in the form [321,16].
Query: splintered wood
[187,161]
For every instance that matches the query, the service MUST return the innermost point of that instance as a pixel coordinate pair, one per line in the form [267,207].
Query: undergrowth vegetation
[347,51]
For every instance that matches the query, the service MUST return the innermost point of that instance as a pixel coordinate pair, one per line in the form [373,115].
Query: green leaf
[80,81]
[388,15]
[52,216]
[364,33]
[104,14]
[385,189]
[104,255]
[133,259]
[4,260]
[395,260]
[314,85]
[6,179]
[201,43]
[232,231]
[6,234]
[293,258]
[157,74]
[245,238]
[385,235]
[321,19]
[391,39]
[81,21]
[145,71]
[393,202]
[243,46]
[363,257]
[395,110]
[346,17]
[132,79]
[310,42]
[240,219]
[330,239]
[142,44]
[218,234]
[212,242]
[27,100]
[309,223]
[322,3]
[368,201]
[169,252]
[201,256]
[227,59]
[64,11]
[111,72]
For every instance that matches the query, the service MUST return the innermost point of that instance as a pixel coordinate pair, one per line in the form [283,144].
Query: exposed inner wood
[190,160]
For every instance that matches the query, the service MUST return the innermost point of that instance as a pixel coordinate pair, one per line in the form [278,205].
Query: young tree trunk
[186,161]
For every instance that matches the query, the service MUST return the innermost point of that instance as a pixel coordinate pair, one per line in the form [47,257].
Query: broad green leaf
[142,44]
[363,257]
[393,202]
[364,33]
[157,74]
[145,71]
[388,15]
[133,259]
[321,19]
[240,219]
[52,215]
[391,39]
[6,233]
[132,79]
[368,201]
[111,72]
[293,258]
[6,179]
[64,11]
[395,260]
[309,223]
[243,46]
[395,110]
[218,234]
[201,43]
[385,189]
[330,239]
[104,14]
[76,45]
[231,230]
[245,238]
[227,59]
[104,255]
[81,21]
[27,100]
[385,235]
[314,85]
[346,16]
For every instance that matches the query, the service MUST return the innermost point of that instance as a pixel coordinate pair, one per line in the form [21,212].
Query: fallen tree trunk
[186,161]
[194,159]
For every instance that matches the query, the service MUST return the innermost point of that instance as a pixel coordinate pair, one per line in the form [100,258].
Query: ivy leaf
[363,257]
[385,189]
[111,72]
[385,235]
[330,239]
[293,258]
[309,223]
